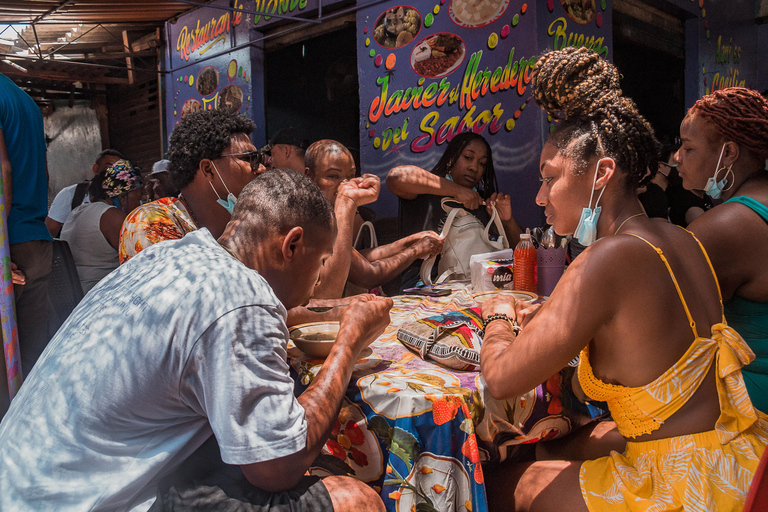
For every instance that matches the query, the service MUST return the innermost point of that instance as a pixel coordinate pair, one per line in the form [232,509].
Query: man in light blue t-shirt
[22,155]
[188,339]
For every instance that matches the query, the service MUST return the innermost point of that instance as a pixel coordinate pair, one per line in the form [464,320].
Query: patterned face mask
[120,178]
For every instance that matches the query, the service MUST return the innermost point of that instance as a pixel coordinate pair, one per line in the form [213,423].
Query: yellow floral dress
[164,219]
[704,471]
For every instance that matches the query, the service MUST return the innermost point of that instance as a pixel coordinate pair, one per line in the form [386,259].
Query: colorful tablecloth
[417,432]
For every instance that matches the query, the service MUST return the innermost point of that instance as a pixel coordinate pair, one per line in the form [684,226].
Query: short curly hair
[200,135]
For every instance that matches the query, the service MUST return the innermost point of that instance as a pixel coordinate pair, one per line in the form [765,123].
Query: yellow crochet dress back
[704,471]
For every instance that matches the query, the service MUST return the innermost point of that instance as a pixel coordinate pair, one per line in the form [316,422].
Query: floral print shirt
[164,219]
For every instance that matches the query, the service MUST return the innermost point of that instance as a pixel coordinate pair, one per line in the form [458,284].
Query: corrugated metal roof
[52,44]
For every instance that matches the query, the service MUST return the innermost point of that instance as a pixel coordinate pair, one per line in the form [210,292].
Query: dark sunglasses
[254,158]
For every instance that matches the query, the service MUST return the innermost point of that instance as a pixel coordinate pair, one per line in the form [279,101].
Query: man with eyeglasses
[211,159]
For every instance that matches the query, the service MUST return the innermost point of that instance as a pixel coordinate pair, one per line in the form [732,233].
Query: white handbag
[464,236]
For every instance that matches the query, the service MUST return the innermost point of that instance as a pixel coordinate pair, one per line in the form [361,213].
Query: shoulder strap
[371,232]
[674,280]
[753,204]
[711,269]
[80,190]
[426,265]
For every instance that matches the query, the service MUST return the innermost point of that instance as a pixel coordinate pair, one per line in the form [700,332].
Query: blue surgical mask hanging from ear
[229,204]
[116,202]
[586,231]
[714,188]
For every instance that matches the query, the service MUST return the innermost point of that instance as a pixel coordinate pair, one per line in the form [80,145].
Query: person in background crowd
[465,172]
[161,355]
[92,230]
[73,196]
[160,182]
[642,292]
[25,195]
[331,166]
[286,150]
[211,159]
[725,145]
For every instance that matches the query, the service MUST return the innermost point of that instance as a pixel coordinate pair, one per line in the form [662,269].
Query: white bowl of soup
[316,338]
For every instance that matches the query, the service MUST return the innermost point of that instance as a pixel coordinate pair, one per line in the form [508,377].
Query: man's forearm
[333,277]
[322,400]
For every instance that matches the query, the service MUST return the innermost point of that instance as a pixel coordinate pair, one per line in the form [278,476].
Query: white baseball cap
[160,166]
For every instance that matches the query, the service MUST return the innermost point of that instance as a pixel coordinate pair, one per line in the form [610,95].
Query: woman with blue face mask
[724,150]
[640,307]
[92,230]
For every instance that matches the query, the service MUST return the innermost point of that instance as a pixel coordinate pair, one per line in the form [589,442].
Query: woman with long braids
[465,172]
[641,308]
[725,146]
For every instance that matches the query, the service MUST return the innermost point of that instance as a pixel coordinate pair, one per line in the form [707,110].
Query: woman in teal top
[723,153]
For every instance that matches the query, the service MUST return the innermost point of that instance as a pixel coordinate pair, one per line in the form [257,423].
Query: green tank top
[750,319]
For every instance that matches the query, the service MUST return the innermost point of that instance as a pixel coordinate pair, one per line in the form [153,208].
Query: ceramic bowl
[517,294]
[316,338]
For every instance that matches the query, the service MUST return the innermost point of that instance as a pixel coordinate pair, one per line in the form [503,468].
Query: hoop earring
[728,170]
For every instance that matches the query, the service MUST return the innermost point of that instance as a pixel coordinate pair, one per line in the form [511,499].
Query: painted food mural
[476,13]
[190,106]
[207,80]
[397,27]
[231,97]
[438,55]
[580,11]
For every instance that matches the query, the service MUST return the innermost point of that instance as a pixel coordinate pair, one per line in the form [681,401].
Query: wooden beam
[67,76]
[128,60]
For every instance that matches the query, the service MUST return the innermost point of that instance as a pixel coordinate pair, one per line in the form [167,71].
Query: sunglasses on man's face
[254,158]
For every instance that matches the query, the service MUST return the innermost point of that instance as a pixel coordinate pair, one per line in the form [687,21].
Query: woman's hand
[525,311]
[468,197]
[17,275]
[503,205]
[500,304]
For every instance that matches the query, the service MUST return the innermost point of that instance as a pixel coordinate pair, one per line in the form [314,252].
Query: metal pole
[8,307]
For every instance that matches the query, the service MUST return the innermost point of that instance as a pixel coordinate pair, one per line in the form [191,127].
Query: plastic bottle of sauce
[524,273]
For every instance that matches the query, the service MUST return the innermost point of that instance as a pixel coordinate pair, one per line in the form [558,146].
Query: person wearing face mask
[725,146]
[211,159]
[640,307]
[92,230]
[464,172]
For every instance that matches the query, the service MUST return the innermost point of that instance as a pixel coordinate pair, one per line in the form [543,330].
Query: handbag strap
[371,233]
[427,264]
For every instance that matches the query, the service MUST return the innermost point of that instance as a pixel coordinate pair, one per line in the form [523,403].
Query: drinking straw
[7,305]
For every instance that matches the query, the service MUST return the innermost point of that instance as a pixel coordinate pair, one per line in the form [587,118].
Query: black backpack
[80,191]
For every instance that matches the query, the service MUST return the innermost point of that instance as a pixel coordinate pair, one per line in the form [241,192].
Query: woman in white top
[93,230]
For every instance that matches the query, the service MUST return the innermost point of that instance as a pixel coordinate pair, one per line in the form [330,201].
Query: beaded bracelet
[501,316]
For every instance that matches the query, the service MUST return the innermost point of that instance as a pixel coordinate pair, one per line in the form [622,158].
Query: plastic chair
[64,289]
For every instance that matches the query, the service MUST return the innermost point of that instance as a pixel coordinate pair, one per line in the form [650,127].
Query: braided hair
[488,183]
[581,90]
[739,115]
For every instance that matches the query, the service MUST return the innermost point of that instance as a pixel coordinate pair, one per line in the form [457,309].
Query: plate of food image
[580,11]
[207,80]
[476,13]
[190,106]
[438,55]
[231,97]
[397,26]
